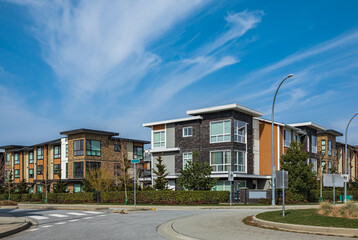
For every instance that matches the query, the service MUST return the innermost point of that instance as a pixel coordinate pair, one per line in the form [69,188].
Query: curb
[64,208]
[27,224]
[166,230]
[328,231]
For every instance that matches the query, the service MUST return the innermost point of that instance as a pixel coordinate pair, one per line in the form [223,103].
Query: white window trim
[165,140]
[184,132]
[225,120]
[245,160]
[238,134]
[224,150]
[314,148]
[308,143]
[191,157]
[286,142]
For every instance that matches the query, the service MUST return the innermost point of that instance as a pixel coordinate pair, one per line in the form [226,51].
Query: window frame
[135,153]
[236,161]
[118,147]
[56,171]
[90,152]
[323,147]
[31,160]
[8,159]
[308,143]
[17,161]
[223,134]
[17,175]
[58,155]
[79,152]
[329,148]
[236,131]
[40,156]
[186,159]
[161,140]
[224,164]
[185,133]
[38,188]
[33,173]
[287,142]
[314,141]
[75,173]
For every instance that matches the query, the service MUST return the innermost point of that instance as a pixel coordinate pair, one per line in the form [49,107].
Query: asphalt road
[204,224]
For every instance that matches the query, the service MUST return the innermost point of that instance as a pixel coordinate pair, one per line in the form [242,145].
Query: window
[93,165]
[93,148]
[159,139]
[323,147]
[240,131]
[38,188]
[329,165]
[329,147]
[31,157]
[31,190]
[17,173]
[187,157]
[77,188]
[137,152]
[222,185]
[220,161]
[40,153]
[308,144]
[8,159]
[31,173]
[239,184]
[314,164]
[66,170]
[220,131]
[57,152]
[314,144]
[40,169]
[187,132]
[66,150]
[17,158]
[117,147]
[56,169]
[323,166]
[286,138]
[296,138]
[78,148]
[78,169]
[240,161]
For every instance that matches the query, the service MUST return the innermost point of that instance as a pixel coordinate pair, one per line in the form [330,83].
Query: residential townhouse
[69,158]
[352,160]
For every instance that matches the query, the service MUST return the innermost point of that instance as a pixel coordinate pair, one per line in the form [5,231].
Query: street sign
[231,176]
[333,180]
[280,182]
[135,161]
[345,177]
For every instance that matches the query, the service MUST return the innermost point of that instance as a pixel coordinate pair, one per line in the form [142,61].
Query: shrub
[349,210]
[325,208]
[8,203]
[71,197]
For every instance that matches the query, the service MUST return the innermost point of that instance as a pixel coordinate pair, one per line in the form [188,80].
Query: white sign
[282,179]
[231,176]
[345,177]
[333,180]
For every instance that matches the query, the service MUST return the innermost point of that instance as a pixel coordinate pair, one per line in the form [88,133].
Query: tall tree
[196,176]
[161,172]
[124,177]
[301,180]
[22,187]
[60,186]
[99,179]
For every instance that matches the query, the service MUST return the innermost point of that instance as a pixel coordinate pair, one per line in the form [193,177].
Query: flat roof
[52,142]
[11,146]
[85,130]
[133,140]
[172,121]
[331,132]
[233,106]
[308,124]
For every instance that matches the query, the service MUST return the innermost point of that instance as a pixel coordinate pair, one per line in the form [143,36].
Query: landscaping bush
[7,203]
[328,194]
[348,210]
[71,197]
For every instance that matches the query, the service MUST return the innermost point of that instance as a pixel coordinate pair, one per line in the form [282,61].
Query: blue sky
[113,65]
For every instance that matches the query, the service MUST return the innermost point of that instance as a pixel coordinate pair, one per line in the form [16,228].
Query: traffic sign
[135,161]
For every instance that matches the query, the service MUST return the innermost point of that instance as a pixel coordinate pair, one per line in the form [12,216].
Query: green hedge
[22,197]
[71,197]
[328,194]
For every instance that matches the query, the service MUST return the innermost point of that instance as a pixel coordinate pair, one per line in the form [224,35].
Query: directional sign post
[231,179]
[282,181]
[135,161]
[334,180]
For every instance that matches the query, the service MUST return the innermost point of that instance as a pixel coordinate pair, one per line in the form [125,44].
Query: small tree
[99,179]
[161,172]
[196,176]
[301,179]
[60,186]
[22,187]
[123,176]
[10,184]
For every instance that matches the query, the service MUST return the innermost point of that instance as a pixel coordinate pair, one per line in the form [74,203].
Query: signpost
[135,161]
[231,179]
[334,180]
[282,182]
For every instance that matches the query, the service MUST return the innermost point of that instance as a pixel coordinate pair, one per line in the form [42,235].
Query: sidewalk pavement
[10,225]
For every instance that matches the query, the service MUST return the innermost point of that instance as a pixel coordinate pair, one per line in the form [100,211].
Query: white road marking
[58,215]
[92,212]
[87,217]
[39,217]
[77,214]
[73,220]
[101,215]
[47,226]
[60,223]
[32,230]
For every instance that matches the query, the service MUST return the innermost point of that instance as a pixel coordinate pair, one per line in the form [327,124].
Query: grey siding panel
[170,135]
[168,160]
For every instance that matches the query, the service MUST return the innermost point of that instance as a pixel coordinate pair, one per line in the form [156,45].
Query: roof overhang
[234,106]
[173,121]
[92,131]
[11,146]
[331,132]
[52,142]
[163,150]
[308,124]
[132,140]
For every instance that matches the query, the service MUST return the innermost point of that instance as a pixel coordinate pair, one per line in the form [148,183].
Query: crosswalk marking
[60,223]
[77,214]
[93,212]
[73,220]
[32,230]
[87,217]
[101,215]
[39,217]
[47,226]
[58,215]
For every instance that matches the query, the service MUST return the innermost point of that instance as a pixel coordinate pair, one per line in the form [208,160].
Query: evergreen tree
[301,179]
[10,184]
[60,186]
[160,181]
[22,187]
[196,176]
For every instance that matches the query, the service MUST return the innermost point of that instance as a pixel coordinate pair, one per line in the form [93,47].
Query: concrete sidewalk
[10,225]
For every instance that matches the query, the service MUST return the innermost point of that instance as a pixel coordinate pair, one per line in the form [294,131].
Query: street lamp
[272,143]
[346,160]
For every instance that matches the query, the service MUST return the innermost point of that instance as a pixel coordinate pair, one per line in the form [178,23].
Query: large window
[17,173]
[66,170]
[93,148]
[222,185]
[220,131]
[308,144]
[78,169]
[40,169]
[31,157]
[56,169]
[286,138]
[38,188]
[8,159]
[240,131]
[66,150]
[329,147]
[40,153]
[77,188]
[93,165]
[220,161]
[159,139]
[314,165]
[57,151]
[117,147]
[240,161]
[78,148]
[314,144]
[17,158]
[137,152]
[187,157]
[323,147]
[31,173]
[187,132]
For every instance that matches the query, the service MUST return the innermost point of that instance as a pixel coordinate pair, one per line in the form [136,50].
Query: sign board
[333,180]
[345,177]
[281,179]
[135,161]
[231,176]
[257,194]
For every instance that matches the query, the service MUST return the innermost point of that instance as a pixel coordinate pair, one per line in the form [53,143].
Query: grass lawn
[308,217]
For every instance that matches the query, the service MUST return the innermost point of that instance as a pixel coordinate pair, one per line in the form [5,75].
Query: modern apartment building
[352,160]
[68,158]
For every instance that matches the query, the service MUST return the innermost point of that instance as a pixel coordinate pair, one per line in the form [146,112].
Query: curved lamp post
[272,143]
[346,159]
